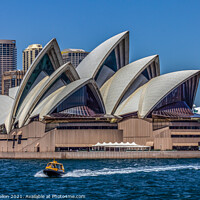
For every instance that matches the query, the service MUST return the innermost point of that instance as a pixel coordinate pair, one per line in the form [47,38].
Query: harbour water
[102,179]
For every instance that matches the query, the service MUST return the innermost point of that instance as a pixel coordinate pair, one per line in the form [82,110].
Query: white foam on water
[129,170]
[40,174]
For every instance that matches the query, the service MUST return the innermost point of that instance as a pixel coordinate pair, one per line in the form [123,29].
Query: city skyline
[169,29]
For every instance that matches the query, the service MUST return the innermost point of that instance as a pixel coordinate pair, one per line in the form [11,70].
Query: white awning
[119,145]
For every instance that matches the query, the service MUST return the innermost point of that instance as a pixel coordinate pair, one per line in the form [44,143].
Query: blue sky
[170,28]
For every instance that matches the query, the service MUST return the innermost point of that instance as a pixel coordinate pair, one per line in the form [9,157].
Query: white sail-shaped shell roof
[41,105]
[51,88]
[53,51]
[5,107]
[13,92]
[35,98]
[131,104]
[115,88]
[158,88]
[30,96]
[55,98]
[147,97]
[91,64]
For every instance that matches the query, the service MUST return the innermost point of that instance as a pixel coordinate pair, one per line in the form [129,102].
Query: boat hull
[53,173]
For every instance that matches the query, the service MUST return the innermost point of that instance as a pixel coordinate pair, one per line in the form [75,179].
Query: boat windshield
[59,166]
[53,165]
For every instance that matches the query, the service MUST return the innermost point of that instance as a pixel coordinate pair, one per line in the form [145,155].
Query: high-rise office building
[29,54]
[8,57]
[11,79]
[75,56]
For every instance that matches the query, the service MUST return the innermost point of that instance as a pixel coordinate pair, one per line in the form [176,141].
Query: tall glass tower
[8,57]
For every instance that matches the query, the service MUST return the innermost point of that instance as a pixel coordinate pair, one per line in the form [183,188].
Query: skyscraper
[29,54]
[8,57]
[75,56]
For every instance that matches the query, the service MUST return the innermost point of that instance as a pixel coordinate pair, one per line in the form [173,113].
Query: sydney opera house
[59,107]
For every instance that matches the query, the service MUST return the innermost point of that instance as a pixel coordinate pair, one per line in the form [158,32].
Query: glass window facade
[12,82]
[82,97]
[180,94]
[109,62]
[44,65]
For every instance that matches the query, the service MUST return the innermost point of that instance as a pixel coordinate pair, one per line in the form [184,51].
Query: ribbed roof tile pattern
[145,99]
[114,89]
[156,89]
[90,65]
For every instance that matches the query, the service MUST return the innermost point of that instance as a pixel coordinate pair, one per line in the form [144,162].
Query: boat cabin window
[60,167]
[49,164]
[52,165]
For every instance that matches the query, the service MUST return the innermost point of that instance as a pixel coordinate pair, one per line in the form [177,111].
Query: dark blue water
[103,179]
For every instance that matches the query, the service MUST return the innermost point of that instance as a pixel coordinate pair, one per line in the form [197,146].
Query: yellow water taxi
[54,169]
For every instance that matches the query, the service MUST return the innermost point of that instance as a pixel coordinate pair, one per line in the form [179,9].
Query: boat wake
[128,170]
[40,174]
